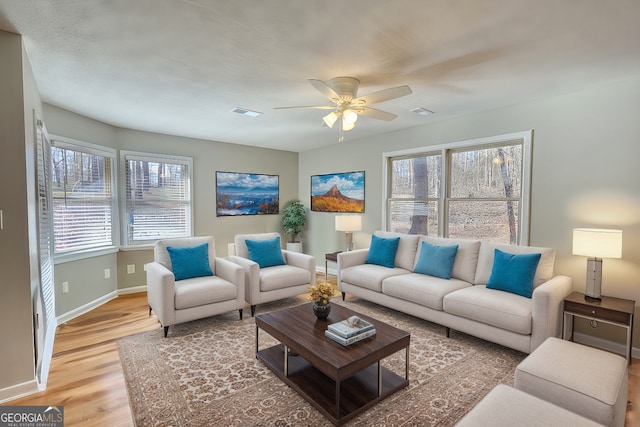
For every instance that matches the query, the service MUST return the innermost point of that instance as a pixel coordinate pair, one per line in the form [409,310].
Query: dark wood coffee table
[339,381]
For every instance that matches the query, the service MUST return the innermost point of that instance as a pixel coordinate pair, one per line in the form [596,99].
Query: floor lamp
[596,243]
[349,224]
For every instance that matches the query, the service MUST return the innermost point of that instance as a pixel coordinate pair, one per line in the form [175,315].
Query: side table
[610,310]
[333,257]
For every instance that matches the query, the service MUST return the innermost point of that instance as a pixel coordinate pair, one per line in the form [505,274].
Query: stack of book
[350,330]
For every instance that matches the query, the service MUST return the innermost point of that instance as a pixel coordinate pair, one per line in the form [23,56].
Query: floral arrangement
[321,292]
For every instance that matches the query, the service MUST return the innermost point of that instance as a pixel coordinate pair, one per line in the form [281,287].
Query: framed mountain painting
[246,194]
[338,192]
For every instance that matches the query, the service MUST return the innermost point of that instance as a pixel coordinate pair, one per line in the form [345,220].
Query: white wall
[586,150]
[18,254]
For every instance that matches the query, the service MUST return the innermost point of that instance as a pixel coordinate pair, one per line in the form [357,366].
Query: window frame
[150,157]
[443,201]
[89,148]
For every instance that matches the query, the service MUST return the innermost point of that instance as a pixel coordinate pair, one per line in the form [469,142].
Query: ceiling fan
[347,106]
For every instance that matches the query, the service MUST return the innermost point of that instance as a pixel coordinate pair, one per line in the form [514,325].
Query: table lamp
[349,224]
[596,243]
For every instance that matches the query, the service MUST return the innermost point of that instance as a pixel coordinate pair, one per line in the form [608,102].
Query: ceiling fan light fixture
[346,125]
[349,116]
[330,119]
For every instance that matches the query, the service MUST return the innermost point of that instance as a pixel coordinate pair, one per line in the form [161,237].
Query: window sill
[145,247]
[89,253]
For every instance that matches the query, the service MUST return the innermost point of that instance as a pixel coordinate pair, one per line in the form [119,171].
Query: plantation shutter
[45,309]
[158,197]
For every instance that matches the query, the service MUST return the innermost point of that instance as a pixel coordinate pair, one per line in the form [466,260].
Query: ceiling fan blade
[374,113]
[319,107]
[383,95]
[325,89]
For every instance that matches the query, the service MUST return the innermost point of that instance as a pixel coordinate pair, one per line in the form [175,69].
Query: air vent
[421,111]
[246,112]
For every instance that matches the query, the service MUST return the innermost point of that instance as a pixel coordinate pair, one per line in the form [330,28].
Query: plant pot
[321,310]
[294,247]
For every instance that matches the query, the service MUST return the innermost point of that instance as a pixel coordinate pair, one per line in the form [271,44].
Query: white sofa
[462,302]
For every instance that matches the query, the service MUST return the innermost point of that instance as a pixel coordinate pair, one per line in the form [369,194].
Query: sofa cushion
[369,276]
[266,253]
[421,289]
[496,308]
[513,273]
[190,261]
[436,260]
[202,291]
[464,266]
[382,251]
[544,272]
[407,248]
[283,276]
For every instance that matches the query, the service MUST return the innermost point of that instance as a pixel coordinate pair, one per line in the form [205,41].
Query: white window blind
[83,197]
[158,197]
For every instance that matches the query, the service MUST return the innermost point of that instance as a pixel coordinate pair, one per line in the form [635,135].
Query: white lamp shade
[348,223]
[330,119]
[350,116]
[347,126]
[597,242]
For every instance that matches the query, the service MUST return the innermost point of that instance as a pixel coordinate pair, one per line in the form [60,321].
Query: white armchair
[194,297]
[273,282]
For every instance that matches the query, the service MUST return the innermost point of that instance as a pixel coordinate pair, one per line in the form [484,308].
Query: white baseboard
[132,290]
[63,318]
[19,390]
[333,271]
[611,346]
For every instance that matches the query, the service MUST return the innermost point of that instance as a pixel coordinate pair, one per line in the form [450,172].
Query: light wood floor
[86,375]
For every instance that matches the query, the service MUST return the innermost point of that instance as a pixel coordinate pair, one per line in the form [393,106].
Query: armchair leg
[344,294]
[149,310]
[166,331]
[447,331]
[253,310]
[240,310]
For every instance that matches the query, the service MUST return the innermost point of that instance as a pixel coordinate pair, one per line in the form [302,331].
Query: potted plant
[321,293]
[294,217]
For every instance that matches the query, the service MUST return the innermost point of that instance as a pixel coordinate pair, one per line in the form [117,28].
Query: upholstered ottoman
[507,407]
[584,380]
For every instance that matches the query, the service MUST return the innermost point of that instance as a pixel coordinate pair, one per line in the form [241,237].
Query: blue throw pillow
[436,260]
[382,251]
[190,261]
[513,273]
[266,253]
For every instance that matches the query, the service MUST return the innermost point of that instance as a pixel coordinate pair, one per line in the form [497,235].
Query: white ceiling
[179,66]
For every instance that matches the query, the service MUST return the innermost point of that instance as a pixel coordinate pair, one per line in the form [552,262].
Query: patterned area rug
[206,374]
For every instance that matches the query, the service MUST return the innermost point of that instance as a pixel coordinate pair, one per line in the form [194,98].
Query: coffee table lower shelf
[358,393]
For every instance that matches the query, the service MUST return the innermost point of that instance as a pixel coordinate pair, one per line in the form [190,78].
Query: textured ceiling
[179,67]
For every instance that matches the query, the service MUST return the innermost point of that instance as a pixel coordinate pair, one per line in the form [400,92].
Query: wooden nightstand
[333,257]
[613,311]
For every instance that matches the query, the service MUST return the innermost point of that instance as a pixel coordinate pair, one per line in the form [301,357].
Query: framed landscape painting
[246,194]
[338,192]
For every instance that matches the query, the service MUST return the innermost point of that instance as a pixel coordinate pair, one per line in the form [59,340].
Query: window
[474,189]
[414,194]
[84,203]
[158,197]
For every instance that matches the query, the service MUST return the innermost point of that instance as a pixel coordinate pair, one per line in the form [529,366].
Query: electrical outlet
[107,273]
[131,268]
[65,287]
